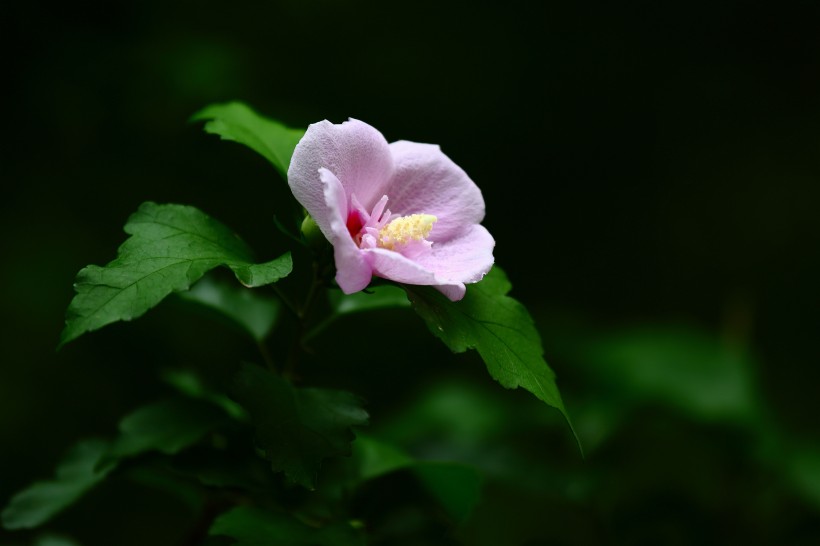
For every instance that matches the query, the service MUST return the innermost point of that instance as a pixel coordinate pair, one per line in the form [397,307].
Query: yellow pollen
[401,231]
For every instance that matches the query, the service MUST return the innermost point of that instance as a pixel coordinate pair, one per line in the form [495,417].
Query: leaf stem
[266,356]
[310,299]
[286,300]
[303,314]
[319,328]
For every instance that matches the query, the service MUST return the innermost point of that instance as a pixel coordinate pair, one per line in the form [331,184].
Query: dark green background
[642,164]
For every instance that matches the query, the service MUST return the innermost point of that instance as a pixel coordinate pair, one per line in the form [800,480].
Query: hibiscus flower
[402,211]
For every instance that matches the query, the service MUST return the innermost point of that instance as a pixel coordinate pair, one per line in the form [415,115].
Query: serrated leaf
[255,313]
[498,327]
[236,121]
[170,248]
[297,428]
[251,526]
[76,474]
[167,426]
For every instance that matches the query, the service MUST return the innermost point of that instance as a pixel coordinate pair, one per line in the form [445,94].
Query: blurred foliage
[650,173]
[76,474]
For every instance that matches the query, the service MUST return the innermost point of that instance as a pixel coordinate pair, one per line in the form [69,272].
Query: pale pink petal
[392,265]
[353,273]
[454,292]
[354,151]
[463,260]
[426,181]
[339,170]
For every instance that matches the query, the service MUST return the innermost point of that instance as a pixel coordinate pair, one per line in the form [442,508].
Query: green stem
[263,349]
[303,314]
[319,328]
[310,299]
[286,300]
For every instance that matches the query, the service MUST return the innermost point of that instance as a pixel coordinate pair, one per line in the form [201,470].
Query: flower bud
[312,234]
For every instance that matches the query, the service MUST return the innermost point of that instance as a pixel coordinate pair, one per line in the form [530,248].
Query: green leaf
[170,248]
[238,122]
[76,474]
[251,526]
[681,367]
[189,384]
[376,297]
[297,428]
[54,540]
[498,327]
[456,486]
[169,483]
[255,313]
[167,426]
[230,462]
[375,458]
[803,470]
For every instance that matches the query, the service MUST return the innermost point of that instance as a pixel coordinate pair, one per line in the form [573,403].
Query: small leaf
[251,526]
[169,483]
[167,426]
[681,367]
[170,248]
[54,540]
[230,462]
[375,458]
[456,486]
[803,470]
[189,384]
[238,122]
[498,327]
[297,428]
[255,313]
[376,297]
[76,474]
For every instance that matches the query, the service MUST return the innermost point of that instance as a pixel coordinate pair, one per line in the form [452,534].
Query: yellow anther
[401,231]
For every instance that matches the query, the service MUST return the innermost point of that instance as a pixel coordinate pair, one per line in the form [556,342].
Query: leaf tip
[65,337]
[210,111]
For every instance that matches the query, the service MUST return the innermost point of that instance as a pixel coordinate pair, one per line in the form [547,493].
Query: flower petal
[426,181]
[353,272]
[454,292]
[392,265]
[463,260]
[354,151]
[447,266]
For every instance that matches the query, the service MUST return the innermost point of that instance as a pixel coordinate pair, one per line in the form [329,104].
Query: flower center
[406,229]
[381,229]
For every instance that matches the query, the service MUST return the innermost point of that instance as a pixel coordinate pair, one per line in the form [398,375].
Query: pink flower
[402,211]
